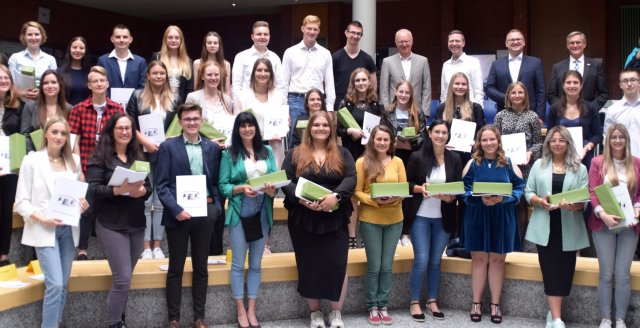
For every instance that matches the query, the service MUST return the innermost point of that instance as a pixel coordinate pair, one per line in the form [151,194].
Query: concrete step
[453,318]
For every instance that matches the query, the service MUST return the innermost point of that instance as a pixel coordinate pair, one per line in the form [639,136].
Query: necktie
[577,65]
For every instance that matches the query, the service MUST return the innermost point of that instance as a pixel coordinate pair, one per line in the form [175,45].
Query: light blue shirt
[41,63]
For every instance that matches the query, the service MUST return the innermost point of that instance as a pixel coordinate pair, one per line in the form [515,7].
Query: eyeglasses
[619,138]
[626,81]
[192,120]
[121,129]
[354,33]
[98,81]
[5,78]
[514,40]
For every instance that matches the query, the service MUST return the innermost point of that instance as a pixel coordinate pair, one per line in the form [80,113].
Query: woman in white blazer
[53,240]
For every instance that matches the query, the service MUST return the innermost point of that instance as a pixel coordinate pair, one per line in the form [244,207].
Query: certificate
[152,127]
[191,194]
[622,195]
[462,134]
[370,121]
[276,122]
[65,200]
[515,147]
[224,124]
[121,95]
[22,81]
[120,174]
[576,135]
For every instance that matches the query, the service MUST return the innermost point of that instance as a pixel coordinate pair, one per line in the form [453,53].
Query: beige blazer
[392,73]
[35,185]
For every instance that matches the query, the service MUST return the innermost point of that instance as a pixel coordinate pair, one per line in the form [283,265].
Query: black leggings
[8,184]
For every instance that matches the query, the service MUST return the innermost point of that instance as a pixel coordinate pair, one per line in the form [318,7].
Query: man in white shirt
[460,62]
[594,80]
[405,65]
[244,61]
[307,65]
[124,69]
[626,111]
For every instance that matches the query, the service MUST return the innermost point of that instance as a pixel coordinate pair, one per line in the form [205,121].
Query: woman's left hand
[139,192]
[563,204]
[403,144]
[84,205]
[269,189]
[328,203]
[492,200]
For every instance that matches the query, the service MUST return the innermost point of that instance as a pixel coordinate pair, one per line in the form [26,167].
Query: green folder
[272,178]
[140,166]
[250,110]
[210,132]
[448,188]
[492,188]
[36,138]
[572,196]
[312,191]
[608,201]
[17,150]
[408,132]
[390,189]
[174,129]
[28,71]
[346,119]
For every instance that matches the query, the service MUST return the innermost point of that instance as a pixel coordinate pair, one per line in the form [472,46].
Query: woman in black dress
[318,230]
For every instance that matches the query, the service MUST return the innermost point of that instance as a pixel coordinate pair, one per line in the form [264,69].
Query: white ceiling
[172,9]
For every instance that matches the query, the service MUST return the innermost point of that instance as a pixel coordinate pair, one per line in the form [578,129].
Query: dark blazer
[531,74]
[590,123]
[186,85]
[416,176]
[11,119]
[134,76]
[135,103]
[594,82]
[173,161]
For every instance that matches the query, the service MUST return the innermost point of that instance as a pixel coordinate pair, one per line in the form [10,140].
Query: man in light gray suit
[406,65]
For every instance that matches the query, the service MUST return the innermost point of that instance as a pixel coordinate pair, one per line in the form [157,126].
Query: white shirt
[430,207]
[243,66]
[247,99]
[406,66]
[305,68]
[468,65]
[41,63]
[572,64]
[514,66]
[122,63]
[254,170]
[627,113]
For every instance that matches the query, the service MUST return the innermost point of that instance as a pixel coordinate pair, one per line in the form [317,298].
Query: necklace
[558,168]
[490,162]
[55,160]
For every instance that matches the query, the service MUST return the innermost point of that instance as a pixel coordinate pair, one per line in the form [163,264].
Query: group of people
[130,219]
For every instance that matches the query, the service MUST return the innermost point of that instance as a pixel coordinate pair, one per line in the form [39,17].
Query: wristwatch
[337,195]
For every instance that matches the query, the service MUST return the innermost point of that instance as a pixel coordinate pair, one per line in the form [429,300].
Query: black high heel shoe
[436,315]
[497,317]
[417,317]
[476,312]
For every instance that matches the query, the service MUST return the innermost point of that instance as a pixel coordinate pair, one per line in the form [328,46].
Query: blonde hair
[98,69]
[414,117]
[66,149]
[373,167]
[146,96]
[466,110]
[507,100]
[11,99]
[311,19]
[478,155]
[609,168]
[23,32]
[352,93]
[184,62]
[571,158]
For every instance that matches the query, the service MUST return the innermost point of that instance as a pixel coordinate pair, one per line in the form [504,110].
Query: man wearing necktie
[594,83]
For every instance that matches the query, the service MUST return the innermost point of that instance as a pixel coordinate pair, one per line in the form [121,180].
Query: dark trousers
[87,226]
[216,247]
[199,230]
[8,184]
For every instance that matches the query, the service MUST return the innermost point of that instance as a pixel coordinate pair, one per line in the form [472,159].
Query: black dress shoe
[4,262]
[436,315]
[417,317]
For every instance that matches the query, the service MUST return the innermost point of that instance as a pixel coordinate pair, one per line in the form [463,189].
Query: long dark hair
[428,156]
[582,106]
[65,68]
[237,147]
[106,146]
[61,101]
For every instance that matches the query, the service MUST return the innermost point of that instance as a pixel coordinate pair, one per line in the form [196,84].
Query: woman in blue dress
[490,225]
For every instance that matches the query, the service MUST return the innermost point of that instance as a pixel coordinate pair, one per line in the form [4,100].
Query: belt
[209,200]
[295,94]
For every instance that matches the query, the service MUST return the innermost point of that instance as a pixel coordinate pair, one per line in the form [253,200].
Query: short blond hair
[98,69]
[311,19]
[23,32]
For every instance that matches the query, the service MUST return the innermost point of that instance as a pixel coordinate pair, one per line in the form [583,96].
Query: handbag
[251,225]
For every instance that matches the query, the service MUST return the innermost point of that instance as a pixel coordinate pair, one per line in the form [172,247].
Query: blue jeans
[296,109]
[429,241]
[615,253]
[55,263]
[153,221]
[239,247]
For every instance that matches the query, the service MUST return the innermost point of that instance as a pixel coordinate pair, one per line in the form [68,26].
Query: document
[622,195]
[370,121]
[22,81]
[492,189]
[276,122]
[152,127]
[121,173]
[121,95]
[390,189]
[576,135]
[278,179]
[72,140]
[224,124]
[65,200]
[572,196]
[447,188]
[462,135]
[515,147]
[191,194]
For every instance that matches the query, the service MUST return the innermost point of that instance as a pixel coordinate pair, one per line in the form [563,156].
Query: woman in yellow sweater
[380,219]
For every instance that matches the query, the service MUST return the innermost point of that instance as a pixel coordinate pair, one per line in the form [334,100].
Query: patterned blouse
[509,121]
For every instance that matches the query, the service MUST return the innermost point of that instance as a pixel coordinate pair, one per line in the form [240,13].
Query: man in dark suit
[594,82]
[517,67]
[188,154]
[124,69]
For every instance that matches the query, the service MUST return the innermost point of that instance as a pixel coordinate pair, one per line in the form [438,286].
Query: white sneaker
[549,320]
[558,323]
[335,318]
[147,254]
[605,323]
[267,250]
[157,253]
[620,323]
[405,241]
[317,319]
